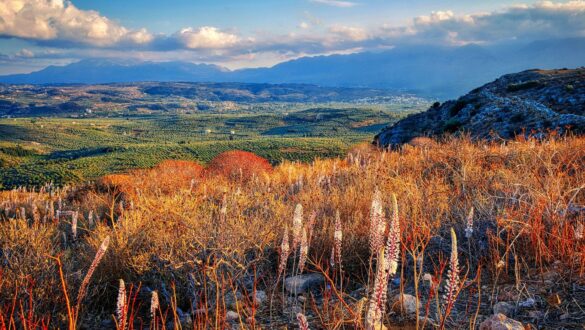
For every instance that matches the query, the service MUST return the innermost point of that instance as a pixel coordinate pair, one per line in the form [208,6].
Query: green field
[34,151]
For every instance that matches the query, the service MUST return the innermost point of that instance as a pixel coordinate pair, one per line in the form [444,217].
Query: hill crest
[533,101]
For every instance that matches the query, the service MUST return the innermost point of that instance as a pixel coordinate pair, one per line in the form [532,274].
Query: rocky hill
[532,101]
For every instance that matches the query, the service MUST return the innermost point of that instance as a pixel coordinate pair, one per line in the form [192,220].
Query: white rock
[409,304]
[232,316]
[301,283]
[260,297]
[500,322]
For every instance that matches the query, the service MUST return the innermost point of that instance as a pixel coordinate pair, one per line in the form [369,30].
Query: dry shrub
[171,175]
[362,153]
[166,178]
[26,271]
[123,183]
[422,142]
[237,164]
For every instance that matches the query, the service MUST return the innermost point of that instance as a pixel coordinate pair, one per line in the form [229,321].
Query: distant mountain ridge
[97,71]
[442,72]
[528,102]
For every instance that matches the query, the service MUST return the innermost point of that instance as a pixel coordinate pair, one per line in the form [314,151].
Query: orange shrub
[123,183]
[237,164]
[171,175]
[166,177]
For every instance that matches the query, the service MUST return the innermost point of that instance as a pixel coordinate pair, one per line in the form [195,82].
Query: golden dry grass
[201,240]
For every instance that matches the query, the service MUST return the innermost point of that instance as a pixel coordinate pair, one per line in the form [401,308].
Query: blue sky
[283,15]
[235,34]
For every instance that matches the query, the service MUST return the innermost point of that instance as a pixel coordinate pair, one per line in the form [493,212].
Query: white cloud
[543,20]
[61,21]
[349,32]
[25,53]
[434,17]
[206,37]
[304,25]
[336,3]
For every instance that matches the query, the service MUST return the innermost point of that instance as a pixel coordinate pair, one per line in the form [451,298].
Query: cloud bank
[58,24]
[58,20]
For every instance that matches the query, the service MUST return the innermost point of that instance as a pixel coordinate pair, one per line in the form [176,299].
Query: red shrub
[237,164]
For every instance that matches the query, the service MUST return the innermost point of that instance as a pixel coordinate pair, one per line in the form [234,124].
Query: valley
[71,134]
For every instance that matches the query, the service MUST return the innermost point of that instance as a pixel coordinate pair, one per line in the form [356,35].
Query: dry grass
[194,238]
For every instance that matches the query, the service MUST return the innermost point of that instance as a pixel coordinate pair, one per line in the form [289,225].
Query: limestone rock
[405,303]
[500,322]
[231,316]
[302,283]
[260,297]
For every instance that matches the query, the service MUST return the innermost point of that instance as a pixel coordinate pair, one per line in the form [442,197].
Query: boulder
[500,322]
[302,283]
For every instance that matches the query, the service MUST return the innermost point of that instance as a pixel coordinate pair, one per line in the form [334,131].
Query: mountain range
[432,71]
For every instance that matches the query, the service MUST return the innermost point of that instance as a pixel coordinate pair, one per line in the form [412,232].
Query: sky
[238,34]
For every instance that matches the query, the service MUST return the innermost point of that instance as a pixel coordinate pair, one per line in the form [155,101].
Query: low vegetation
[436,235]
[66,150]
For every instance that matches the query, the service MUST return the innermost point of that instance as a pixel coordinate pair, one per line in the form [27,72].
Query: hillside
[208,241]
[431,71]
[533,101]
[75,100]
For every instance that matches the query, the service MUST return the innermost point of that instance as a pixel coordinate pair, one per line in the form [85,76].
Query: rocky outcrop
[529,102]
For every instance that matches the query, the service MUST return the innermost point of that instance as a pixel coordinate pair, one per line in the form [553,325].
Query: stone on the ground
[260,297]
[231,316]
[528,303]
[504,308]
[500,322]
[302,283]
[405,303]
